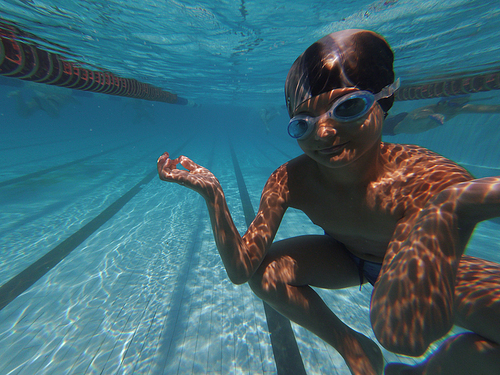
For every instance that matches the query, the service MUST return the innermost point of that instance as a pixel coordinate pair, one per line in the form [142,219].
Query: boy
[397,216]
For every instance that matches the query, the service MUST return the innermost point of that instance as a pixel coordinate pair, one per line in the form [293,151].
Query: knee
[259,286]
[271,279]
[255,282]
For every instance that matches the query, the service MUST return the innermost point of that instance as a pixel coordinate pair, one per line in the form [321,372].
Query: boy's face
[336,144]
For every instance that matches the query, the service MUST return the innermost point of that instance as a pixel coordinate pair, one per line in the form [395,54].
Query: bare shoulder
[413,158]
[276,190]
[418,172]
[287,178]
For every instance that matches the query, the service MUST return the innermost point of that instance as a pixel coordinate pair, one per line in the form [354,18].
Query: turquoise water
[143,290]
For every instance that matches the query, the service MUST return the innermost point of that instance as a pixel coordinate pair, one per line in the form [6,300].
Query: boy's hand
[195,176]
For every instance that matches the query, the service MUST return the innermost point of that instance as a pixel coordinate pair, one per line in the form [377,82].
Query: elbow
[238,271]
[238,278]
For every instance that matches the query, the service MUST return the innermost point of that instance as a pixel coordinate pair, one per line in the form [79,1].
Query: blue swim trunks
[367,270]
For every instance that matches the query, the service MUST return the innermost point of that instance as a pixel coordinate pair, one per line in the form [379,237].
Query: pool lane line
[51,208]
[97,140]
[51,142]
[285,349]
[280,150]
[55,156]
[65,165]
[30,275]
[83,136]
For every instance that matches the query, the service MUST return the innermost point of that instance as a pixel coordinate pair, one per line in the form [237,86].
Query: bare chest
[362,221]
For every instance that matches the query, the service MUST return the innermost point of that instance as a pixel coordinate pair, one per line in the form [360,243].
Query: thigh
[310,260]
[477,297]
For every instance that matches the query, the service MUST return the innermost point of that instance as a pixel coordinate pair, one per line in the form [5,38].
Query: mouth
[332,150]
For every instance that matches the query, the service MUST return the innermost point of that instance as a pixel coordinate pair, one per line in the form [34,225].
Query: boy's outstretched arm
[241,255]
[413,300]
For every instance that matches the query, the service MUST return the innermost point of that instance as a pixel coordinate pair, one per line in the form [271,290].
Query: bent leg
[284,279]
[477,308]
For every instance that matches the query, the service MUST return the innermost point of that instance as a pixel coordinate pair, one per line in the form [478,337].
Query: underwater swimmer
[49,99]
[402,209]
[435,115]
[267,115]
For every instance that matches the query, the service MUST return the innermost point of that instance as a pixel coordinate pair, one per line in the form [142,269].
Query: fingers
[165,162]
[163,157]
[188,163]
[166,167]
[168,171]
[161,162]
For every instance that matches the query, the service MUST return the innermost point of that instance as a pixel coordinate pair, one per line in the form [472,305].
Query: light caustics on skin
[426,285]
[416,299]
[240,264]
[402,204]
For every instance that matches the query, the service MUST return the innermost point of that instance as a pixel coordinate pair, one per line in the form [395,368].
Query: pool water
[123,272]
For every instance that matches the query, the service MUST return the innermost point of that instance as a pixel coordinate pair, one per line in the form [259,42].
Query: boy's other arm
[413,300]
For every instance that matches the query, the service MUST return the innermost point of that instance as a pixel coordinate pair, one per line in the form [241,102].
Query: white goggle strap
[388,90]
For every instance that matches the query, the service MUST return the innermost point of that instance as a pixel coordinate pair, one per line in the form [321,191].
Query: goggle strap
[388,90]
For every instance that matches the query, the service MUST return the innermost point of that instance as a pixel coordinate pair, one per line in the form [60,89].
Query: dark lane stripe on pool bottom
[26,278]
[285,349]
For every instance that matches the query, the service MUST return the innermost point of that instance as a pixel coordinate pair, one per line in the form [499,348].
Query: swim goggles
[349,107]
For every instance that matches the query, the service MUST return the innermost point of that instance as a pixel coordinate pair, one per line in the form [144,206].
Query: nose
[325,130]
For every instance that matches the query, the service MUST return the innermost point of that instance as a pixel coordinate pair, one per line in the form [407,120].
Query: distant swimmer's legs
[477,308]
[284,279]
[481,108]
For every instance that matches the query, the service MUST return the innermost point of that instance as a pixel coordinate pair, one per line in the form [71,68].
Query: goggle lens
[299,128]
[352,107]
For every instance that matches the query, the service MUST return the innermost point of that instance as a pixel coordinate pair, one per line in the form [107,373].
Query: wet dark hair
[348,58]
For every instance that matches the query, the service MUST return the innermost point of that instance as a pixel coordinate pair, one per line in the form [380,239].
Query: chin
[343,159]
